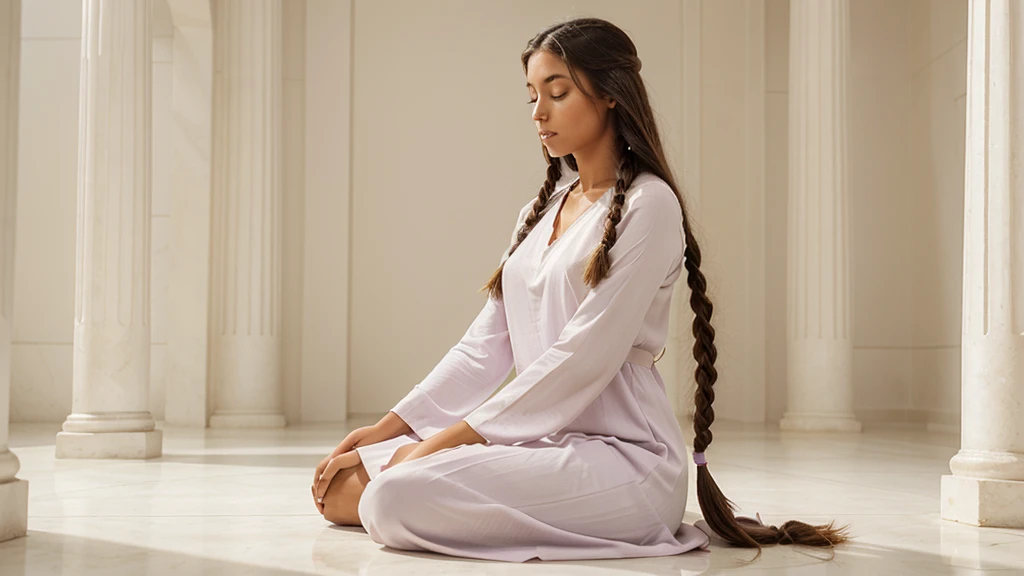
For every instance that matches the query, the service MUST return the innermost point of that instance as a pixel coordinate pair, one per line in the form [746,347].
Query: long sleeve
[555,389]
[468,373]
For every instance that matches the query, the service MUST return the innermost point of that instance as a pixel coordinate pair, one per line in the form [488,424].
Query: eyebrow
[550,79]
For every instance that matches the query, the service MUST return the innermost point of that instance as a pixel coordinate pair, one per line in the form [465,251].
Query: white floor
[238,502]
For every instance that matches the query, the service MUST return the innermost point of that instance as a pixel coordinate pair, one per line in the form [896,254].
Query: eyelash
[559,97]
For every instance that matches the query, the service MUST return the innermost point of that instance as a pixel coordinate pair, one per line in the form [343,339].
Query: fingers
[350,442]
[346,460]
[318,502]
[319,472]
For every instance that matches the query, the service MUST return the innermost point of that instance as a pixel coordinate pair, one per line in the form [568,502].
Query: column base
[127,445]
[13,509]
[820,423]
[247,420]
[983,501]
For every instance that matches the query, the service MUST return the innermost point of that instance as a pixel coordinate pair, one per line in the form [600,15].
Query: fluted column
[819,335]
[110,400]
[13,492]
[247,216]
[987,484]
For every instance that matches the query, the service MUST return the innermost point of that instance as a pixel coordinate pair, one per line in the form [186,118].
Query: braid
[493,286]
[719,510]
[703,348]
[599,264]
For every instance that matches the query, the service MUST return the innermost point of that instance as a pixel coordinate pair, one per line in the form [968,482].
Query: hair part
[609,59]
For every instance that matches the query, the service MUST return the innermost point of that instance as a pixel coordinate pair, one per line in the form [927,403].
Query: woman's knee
[389,502]
[341,501]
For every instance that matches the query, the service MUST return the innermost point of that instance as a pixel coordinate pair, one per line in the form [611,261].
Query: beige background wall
[443,152]
[444,155]
[47,165]
[725,172]
[938,88]
[908,74]
[44,269]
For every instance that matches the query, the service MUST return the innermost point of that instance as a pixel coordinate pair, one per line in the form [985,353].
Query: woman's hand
[411,452]
[339,462]
[401,454]
[452,437]
[325,471]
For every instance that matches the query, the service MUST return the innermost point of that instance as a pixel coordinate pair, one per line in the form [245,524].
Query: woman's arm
[467,374]
[393,426]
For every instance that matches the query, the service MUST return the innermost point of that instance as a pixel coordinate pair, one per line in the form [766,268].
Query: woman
[580,456]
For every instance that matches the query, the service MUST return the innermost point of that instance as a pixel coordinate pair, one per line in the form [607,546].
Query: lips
[544,134]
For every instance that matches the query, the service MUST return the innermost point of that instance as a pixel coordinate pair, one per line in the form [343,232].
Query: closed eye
[559,97]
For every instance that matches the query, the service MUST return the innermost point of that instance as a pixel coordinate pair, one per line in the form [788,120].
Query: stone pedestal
[13,503]
[983,502]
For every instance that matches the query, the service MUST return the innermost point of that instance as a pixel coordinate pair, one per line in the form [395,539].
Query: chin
[554,152]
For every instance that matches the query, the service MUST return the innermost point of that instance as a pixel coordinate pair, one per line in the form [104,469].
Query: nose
[537,112]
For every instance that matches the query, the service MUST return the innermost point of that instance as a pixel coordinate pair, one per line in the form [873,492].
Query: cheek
[580,121]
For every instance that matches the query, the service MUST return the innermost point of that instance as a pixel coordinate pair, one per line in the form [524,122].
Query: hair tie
[699,460]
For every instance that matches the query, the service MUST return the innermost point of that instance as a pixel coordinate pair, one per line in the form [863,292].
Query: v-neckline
[558,212]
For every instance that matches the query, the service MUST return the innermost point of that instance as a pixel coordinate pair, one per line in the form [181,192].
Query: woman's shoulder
[649,184]
[651,193]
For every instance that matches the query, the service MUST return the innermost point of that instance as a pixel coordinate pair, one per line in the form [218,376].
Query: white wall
[441,165]
[938,61]
[907,71]
[879,192]
[44,274]
[776,174]
[444,154]
[727,180]
[293,70]
[47,196]
[327,189]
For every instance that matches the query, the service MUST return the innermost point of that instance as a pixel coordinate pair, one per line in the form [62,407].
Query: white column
[247,216]
[13,492]
[987,485]
[819,328]
[110,400]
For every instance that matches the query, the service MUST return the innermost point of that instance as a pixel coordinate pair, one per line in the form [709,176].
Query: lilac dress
[584,456]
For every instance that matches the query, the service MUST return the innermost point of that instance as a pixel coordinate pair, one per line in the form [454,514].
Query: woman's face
[559,106]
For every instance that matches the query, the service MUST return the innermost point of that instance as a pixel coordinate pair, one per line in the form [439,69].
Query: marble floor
[238,502]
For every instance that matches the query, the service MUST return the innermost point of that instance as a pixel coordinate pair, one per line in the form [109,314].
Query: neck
[598,163]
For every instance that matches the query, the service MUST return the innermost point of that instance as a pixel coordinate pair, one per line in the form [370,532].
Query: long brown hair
[609,59]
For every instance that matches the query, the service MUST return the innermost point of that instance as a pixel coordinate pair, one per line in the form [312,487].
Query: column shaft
[987,485]
[247,216]
[110,400]
[13,492]
[820,344]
